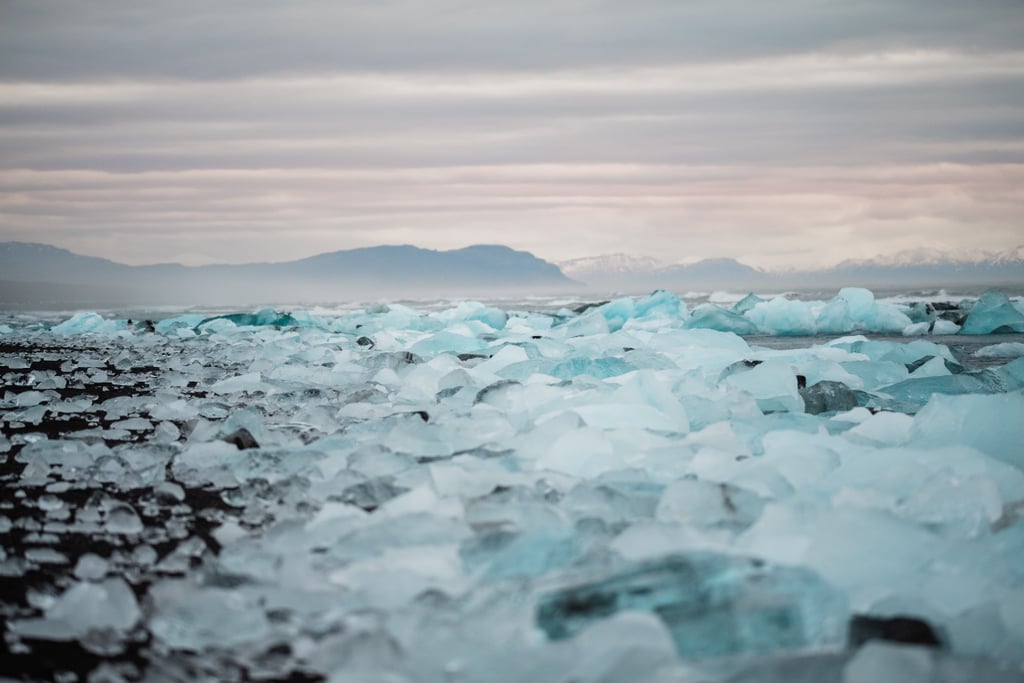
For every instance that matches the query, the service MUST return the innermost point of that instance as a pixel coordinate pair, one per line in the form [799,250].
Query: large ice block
[713,605]
[993,312]
[993,424]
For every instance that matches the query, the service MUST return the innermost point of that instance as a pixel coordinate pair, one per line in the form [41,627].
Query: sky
[786,134]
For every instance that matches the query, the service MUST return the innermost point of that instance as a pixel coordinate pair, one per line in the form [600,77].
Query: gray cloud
[54,40]
[784,133]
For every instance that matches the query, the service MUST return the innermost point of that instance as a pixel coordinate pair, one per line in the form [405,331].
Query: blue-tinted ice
[713,605]
[642,489]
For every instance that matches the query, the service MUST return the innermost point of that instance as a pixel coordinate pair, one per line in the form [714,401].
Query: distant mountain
[43,274]
[608,266]
[920,268]
[916,268]
[637,273]
[928,256]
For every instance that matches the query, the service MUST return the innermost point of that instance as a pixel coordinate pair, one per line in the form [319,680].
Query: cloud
[193,39]
[255,130]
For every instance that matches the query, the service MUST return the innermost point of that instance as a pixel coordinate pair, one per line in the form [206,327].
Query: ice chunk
[250,381]
[855,308]
[86,323]
[883,428]
[266,317]
[122,519]
[191,618]
[783,316]
[993,312]
[495,318]
[710,316]
[772,384]
[915,392]
[932,367]
[991,423]
[624,648]
[709,505]
[584,452]
[91,567]
[1004,350]
[746,303]
[1012,375]
[662,303]
[713,605]
[396,575]
[943,327]
[83,608]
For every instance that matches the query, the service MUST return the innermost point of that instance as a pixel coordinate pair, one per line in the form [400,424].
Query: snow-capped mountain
[930,256]
[609,264]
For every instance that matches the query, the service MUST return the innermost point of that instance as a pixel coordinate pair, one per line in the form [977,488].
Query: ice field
[637,490]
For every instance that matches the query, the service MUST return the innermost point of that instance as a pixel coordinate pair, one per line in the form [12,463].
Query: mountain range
[916,268]
[34,274]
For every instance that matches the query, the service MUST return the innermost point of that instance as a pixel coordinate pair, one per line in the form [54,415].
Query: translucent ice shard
[993,312]
[992,424]
[772,384]
[713,605]
[710,316]
[783,317]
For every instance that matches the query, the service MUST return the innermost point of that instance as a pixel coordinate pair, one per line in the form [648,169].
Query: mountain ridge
[368,272]
[30,269]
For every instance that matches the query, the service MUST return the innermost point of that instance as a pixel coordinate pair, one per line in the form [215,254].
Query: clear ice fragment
[713,605]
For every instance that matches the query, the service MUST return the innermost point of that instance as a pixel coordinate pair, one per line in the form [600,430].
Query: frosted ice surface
[992,424]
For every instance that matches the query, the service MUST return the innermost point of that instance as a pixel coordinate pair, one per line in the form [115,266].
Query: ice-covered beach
[636,490]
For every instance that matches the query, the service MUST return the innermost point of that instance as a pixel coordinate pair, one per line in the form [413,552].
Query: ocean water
[695,487]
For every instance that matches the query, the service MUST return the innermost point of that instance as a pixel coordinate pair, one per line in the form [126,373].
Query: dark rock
[242,438]
[365,341]
[583,308]
[900,629]
[827,397]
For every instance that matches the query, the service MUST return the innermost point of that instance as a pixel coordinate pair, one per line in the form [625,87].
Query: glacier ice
[993,312]
[713,605]
[649,488]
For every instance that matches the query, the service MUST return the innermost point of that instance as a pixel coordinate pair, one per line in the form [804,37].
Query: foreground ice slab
[639,489]
[713,605]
